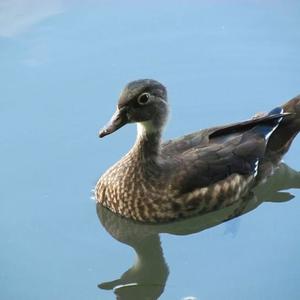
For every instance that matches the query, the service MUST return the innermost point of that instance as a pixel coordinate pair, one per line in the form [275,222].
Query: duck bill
[118,120]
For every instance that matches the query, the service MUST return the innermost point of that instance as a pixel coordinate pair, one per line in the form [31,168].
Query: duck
[207,170]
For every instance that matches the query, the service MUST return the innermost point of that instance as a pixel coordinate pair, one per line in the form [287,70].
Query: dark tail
[286,131]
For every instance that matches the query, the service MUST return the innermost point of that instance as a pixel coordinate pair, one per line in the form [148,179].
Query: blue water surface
[63,65]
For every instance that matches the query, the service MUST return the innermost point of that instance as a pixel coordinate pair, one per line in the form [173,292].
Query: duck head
[143,102]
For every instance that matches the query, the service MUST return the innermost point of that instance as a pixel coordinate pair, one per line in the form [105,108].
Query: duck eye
[143,98]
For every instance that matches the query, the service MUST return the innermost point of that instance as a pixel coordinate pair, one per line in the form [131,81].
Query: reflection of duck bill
[137,290]
[149,274]
[146,279]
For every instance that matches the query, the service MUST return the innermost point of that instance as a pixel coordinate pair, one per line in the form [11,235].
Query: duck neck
[147,145]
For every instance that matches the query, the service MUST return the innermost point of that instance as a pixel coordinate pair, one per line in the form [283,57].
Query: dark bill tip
[103,133]
[118,120]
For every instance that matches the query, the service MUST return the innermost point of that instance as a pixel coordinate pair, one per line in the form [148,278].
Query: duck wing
[234,149]
[203,138]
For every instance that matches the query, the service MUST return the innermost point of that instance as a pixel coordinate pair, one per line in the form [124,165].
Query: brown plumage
[197,173]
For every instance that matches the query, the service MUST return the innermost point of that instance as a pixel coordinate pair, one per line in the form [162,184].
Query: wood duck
[194,174]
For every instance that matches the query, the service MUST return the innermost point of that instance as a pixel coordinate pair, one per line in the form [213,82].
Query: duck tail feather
[287,129]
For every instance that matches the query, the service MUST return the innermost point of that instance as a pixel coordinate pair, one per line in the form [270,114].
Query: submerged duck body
[197,173]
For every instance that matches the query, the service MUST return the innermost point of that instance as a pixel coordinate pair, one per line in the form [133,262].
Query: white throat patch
[145,127]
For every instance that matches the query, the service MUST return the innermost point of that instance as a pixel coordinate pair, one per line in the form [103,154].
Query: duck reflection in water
[147,278]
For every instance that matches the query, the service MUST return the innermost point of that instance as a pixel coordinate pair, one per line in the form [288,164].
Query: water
[62,67]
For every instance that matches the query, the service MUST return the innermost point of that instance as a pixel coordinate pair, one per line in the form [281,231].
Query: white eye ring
[143,98]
